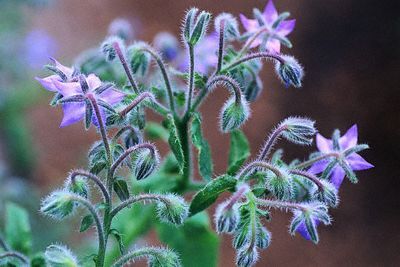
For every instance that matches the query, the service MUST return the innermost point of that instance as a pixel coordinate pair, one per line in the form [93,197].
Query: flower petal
[93,81]
[102,115]
[337,177]
[302,230]
[318,167]
[73,112]
[48,82]
[112,96]
[273,45]
[270,13]
[285,27]
[324,145]
[68,89]
[357,163]
[67,71]
[350,138]
[249,24]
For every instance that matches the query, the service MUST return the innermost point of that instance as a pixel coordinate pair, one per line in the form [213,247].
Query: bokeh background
[350,51]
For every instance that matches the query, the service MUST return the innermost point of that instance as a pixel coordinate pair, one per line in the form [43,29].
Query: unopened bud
[58,205]
[234,114]
[247,257]
[108,47]
[298,130]
[290,71]
[122,28]
[144,162]
[78,186]
[194,28]
[230,25]
[60,256]
[139,60]
[173,209]
[226,218]
[280,185]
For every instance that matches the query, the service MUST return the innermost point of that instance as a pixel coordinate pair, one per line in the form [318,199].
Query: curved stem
[102,127]
[136,102]
[252,56]
[164,73]
[16,255]
[135,199]
[237,196]
[191,79]
[138,253]
[124,129]
[221,45]
[128,152]
[258,164]
[99,226]
[270,142]
[95,179]
[126,67]
[220,79]
[310,162]
[310,177]
[280,204]
[251,40]
[3,244]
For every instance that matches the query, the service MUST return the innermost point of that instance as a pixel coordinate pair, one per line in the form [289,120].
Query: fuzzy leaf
[17,228]
[121,188]
[86,223]
[118,237]
[209,194]
[204,156]
[156,131]
[175,142]
[239,151]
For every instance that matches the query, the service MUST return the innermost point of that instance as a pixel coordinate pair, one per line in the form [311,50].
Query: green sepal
[121,189]
[86,223]
[174,141]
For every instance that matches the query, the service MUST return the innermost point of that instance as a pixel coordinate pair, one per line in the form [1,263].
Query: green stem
[191,79]
[252,56]
[16,255]
[126,67]
[183,132]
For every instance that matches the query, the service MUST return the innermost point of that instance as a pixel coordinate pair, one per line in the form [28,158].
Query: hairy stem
[270,142]
[95,179]
[138,253]
[191,79]
[16,255]
[183,132]
[134,199]
[258,164]
[252,56]
[126,67]
[310,177]
[135,102]
[221,45]
[280,204]
[237,196]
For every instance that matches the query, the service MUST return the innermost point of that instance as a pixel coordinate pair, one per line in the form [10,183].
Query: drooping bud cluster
[172,209]
[58,205]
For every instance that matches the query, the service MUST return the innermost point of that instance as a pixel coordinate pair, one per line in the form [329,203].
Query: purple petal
[68,89]
[270,13]
[302,230]
[93,81]
[324,145]
[102,115]
[286,27]
[73,112]
[273,46]
[318,167]
[112,96]
[249,24]
[357,163]
[67,71]
[337,177]
[349,139]
[48,82]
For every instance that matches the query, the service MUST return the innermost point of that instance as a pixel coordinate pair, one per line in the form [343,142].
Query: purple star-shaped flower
[354,160]
[270,16]
[64,74]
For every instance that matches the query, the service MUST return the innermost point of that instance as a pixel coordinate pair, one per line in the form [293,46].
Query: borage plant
[111,88]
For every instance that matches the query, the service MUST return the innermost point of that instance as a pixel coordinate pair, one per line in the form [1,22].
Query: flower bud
[298,130]
[60,256]
[280,185]
[144,162]
[226,218]
[139,60]
[230,24]
[79,186]
[122,28]
[290,72]
[233,114]
[329,194]
[108,47]
[263,238]
[247,257]
[58,205]
[172,209]
[167,45]
[164,258]
[195,27]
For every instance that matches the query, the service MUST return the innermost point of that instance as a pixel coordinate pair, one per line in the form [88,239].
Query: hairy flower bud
[281,185]
[194,28]
[230,25]
[290,72]
[138,59]
[173,209]
[60,256]
[58,205]
[144,162]
[122,28]
[233,114]
[108,49]
[263,238]
[329,194]
[167,44]
[247,257]
[226,218]
[298,130]
[165,258]
[79,186]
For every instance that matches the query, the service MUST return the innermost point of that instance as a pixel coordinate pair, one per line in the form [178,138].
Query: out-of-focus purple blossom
[65,75]
[270,16]
[205,54]
[122,28]
[354,160]
[38,47]
[168,45]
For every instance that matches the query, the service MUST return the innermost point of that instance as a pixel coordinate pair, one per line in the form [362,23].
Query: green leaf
[239,151]
[86,223]
[204,156]
[155,131]
[209,194]
[175,142]
[121,188]
[17,228]
[195,241]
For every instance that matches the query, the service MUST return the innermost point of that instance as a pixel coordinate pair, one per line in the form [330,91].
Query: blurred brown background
[350,51]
